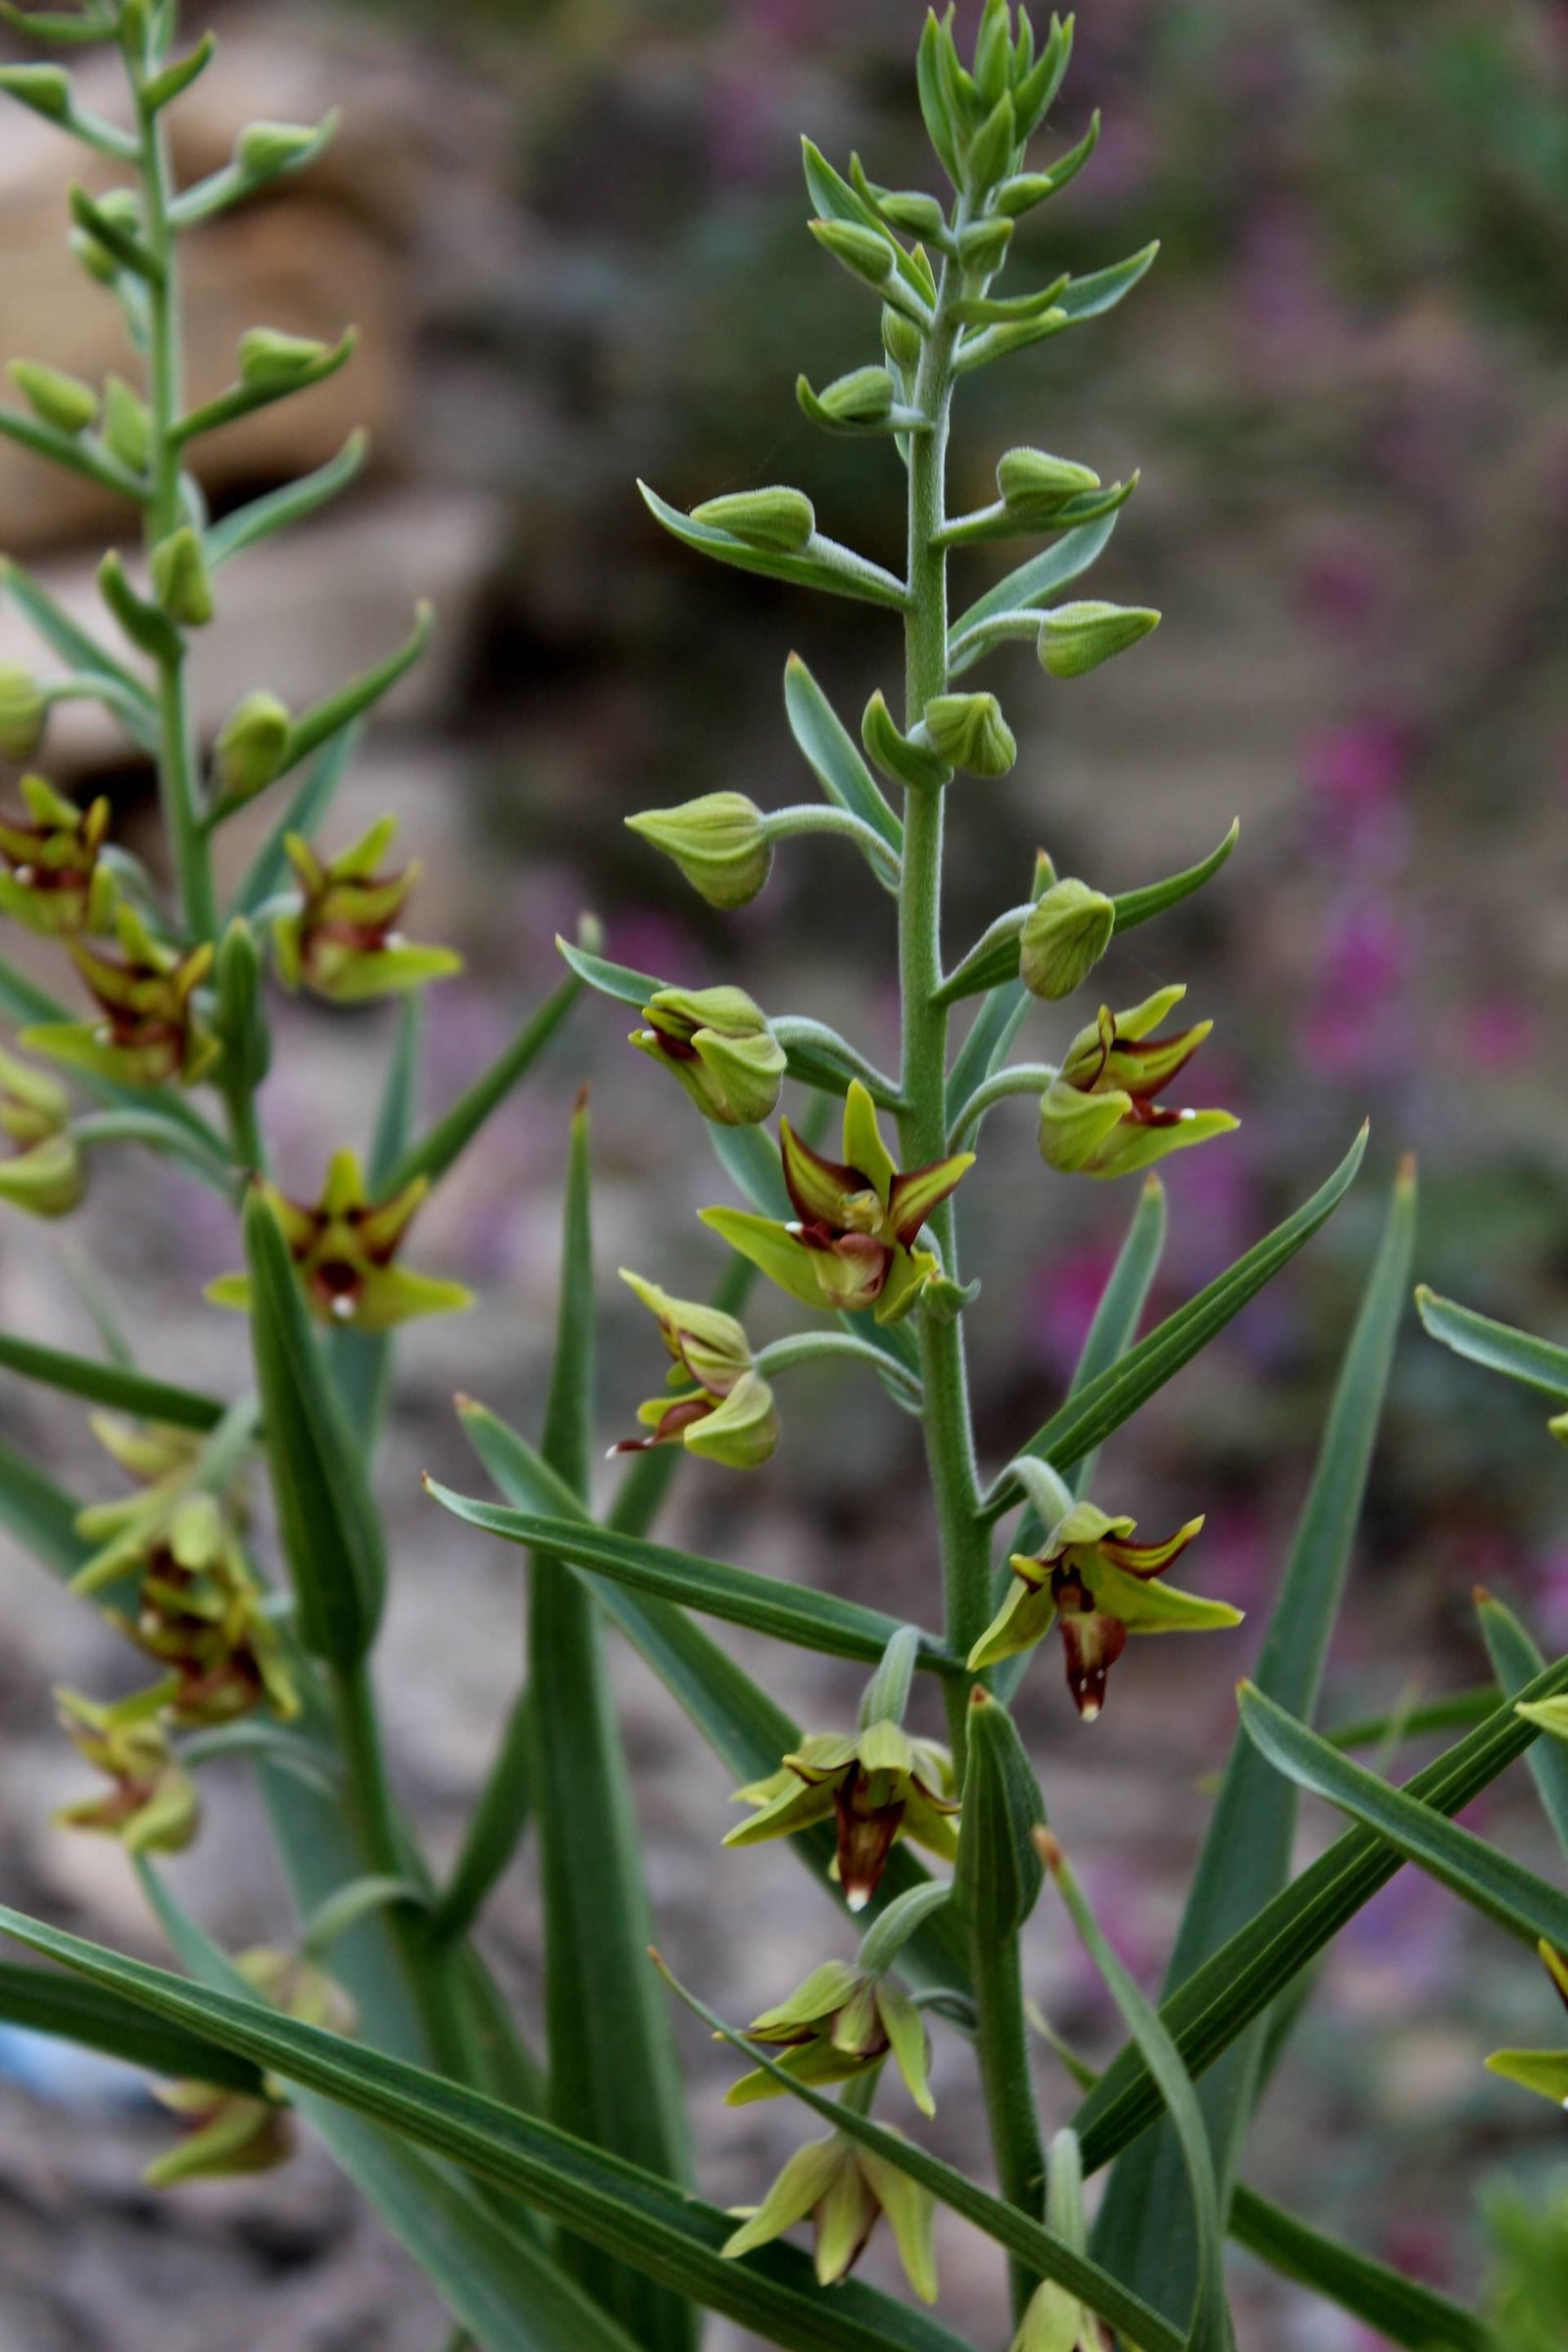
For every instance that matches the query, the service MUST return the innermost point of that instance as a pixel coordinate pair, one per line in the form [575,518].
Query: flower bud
[268,358]
[180,579]
[969,732]
[252,748]
[228,2132]
[862,397]
[900,339]
[720,841]
[239,1021]
[1064,936]
[864,251]
[772,518]
[46,90]
[61,400]
[1077,638]
[265,148]
[44,1174]
[128,424]
[718,1043]
[1036,486]
[983,246]
[991,150]
[24,711]
[120,208]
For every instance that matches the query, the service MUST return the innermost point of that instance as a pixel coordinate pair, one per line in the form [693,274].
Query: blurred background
[573,239]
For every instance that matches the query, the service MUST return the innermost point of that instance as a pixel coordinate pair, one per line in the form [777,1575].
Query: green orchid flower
[852,1245]
[44,1173]
[877,1785]
[344,1246]
[52,879]
[1542,2071]
[845,2189]
[149,1035]
[729,1415]
[841,2023]
[717,1043]
[151,1805]
[342,941]
[1099,1116]
[1089,1579]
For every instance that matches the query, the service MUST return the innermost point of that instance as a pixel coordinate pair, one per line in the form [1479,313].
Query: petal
[817,1188]
[798,2188]
[1091,1644]
[1154,1607]
[771,1247]
[864,1146]
[817,2062]
[1026,1615]
[230,1290]
[798,1807]
[908,1275]
[822,1993]
[911,2210]
[846,2216]
[904,2029]
[742,1431]
[390,1297]
[1144,1560]
[1134,1146]
[919,1191]
[851,1271]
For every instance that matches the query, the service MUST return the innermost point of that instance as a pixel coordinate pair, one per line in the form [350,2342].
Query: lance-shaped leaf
[42,2000]
[1245,1857]
[1492,1882]
[432,1154]
[1086,1420]
[1026,589]
[745,1726]
[1398,2309]
[834,757]
[331,1534]
[610,2068]
[1220,2000]
[670,2236]
[82,653]
[119,1386]
[41,1515]
[999,1870]
[249,524]
[1517,1662]
[820,564]
[786,1612]
[307,806]
[1517,1355]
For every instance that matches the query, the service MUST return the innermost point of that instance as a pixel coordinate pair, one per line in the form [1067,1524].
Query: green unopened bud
[121,211]
[252,748]
[983,245]
[1064,936]
[1035,486]
[864,251]
[969,732]
[720,841]
[61,400]
[181,581]
[263,149]
[718,1043]
[773,517]
[900,339]
[862,397]
[993,147]
[239,1022]
[268,358]
[1077,638]
[24,711]
[45,88]
[128,424]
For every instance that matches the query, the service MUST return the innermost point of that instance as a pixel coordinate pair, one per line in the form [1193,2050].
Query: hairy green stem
[1002,2043]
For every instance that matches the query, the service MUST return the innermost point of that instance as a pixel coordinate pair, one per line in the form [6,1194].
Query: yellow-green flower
[344,1248]
[717,1043]
[149,1034]
[52,879]
[151,1805]
[877,1785]
[851,1245]
[845,2188]
[43,1173]
[1089,1579]
[1101,1116]
[721,1407]
[843,2021]
[342,941]
[1541,2071]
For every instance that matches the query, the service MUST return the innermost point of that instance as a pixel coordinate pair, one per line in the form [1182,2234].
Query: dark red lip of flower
[677,1418]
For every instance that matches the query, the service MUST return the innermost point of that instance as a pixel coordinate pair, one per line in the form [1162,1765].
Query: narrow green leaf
[443,1144]
[610,2067]
[670,2236]
[1135,907]
[331,1531]
[1457,1713]
[1086,1420]
[1245,1857]
[1517,1662]
[1406,2314]
[833,756]
[40,1515]
[119,1386]
[1027,2241]
[990,1033]
[1028,588]
[1211,2326]
[42,2001]
[1115,1322]
[1219,2001]
[307,806]
[495,1828]
[821,563]
[744,1727]
[766,1603]
[250,524]
[1517,1355]
[81,650]
[1492,1882]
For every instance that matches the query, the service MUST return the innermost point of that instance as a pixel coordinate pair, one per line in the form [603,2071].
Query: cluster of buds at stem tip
[1088,1578]
[149,1033]
[856,1220]
[1102,1116]
[228,2131]
[195,1605]
[149,1804]
[980,121]
[844,2188]
[342,941]
[42,1172]
[721,1407]
[344,1247]
[717,1043]
[719,841]
[876,1786]
[51,878]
